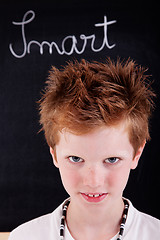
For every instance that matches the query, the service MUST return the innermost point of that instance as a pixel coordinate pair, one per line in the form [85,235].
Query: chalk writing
[53,45]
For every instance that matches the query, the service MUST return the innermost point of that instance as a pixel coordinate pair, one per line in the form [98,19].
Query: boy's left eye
[75,159]
[112,160]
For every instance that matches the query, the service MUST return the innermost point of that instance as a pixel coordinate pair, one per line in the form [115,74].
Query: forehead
[100,140]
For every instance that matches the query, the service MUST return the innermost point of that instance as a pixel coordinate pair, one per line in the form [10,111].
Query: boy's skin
[104,158]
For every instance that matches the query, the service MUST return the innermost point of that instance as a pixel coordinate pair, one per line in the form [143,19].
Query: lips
[94,197]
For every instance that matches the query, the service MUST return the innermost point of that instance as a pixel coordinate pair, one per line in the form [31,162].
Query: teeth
[90,195]
[96,195]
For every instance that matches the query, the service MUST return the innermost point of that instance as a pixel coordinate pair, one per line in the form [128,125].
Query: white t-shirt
[139,226]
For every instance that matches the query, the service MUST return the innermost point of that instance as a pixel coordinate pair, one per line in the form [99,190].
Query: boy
[95,118]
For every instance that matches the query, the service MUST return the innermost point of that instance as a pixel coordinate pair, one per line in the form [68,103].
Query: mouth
[94,197]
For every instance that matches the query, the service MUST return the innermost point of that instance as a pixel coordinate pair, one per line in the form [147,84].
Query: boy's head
[84,96]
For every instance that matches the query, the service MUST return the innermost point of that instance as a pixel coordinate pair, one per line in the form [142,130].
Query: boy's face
[95,167]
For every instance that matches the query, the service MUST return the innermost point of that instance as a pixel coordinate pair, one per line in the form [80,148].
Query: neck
[94,222]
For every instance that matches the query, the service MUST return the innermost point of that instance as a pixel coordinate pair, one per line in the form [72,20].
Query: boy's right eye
[75,159]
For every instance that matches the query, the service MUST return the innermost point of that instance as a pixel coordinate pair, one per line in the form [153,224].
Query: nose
[93,177]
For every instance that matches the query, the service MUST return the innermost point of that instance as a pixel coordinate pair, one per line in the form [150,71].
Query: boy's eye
[75,159]
[112,160]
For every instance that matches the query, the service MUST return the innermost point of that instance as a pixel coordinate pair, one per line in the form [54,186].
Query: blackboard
[35,35]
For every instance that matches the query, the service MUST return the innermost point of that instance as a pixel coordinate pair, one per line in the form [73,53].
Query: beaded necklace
[122,225]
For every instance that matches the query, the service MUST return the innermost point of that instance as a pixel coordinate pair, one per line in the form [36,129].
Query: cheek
[70,179]
[117,179]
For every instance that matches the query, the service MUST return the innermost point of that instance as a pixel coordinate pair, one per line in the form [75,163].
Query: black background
[30,185]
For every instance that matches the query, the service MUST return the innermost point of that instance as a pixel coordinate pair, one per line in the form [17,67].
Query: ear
[137,156]
[53,154]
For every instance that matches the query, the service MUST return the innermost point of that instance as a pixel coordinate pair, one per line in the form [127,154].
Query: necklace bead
[122,225]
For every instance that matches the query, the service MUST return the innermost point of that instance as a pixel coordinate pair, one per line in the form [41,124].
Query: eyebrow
[121,155]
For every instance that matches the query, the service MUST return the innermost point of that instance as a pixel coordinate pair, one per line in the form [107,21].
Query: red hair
[84,95]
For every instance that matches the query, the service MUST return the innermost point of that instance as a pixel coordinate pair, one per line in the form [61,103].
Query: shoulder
[44,227]
[142,226]
[149,223]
